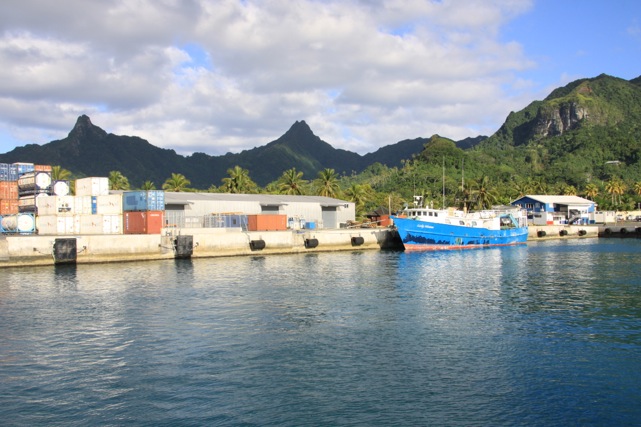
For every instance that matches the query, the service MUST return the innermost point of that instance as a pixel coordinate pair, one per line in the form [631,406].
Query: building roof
[181,198]
[559,200]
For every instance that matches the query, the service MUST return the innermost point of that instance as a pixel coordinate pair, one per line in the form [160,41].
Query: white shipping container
[109,205]
[92,186]
[112,224]
[83,205]
[90,224]
[53,225]
[56,205]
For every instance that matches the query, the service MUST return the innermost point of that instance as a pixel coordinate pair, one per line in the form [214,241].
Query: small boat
[438,229]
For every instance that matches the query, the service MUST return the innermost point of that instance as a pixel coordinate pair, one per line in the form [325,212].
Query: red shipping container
[147,222]
[8,206]
[9,190]
[266,222]
[42,168]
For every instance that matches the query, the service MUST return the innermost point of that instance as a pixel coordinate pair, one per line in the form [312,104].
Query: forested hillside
[583,139]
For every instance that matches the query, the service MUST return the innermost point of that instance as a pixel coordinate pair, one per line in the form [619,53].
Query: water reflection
[65,277]
[504,336]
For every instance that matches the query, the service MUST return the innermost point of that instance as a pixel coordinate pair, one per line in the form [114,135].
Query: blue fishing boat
[438,229]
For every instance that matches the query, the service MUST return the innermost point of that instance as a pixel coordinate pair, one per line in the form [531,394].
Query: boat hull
[421,235]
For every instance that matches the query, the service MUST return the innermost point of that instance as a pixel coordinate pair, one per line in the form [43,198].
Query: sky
[219,76]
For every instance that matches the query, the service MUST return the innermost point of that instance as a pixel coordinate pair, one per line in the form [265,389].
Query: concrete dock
[31,250]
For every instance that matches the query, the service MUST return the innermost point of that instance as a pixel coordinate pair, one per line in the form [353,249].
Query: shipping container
[112,224]
[9,190]
[109,205]
[266,222]
[8,172]
[151,200]
[23,168]
[92,186]
[52,225]
[148,222]
[8,206]
[86,205]
[90,224]
[56,205]
[43,168]
[34,182]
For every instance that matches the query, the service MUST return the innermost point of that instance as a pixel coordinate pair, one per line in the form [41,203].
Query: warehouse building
[556,210]
[196,210]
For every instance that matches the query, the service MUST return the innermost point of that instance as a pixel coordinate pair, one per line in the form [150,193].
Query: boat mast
[463,183]
[443,182]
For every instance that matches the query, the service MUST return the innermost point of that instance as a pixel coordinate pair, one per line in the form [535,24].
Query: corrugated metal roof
[562,200]
[179,198]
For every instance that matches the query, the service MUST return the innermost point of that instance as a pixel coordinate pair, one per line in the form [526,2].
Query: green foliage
[176,182]
[238,181]
[117,181]
[292,182]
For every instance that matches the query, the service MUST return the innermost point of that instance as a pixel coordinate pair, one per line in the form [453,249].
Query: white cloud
[363,74]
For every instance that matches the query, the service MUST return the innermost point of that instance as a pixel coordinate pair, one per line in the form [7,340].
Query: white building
[186,209]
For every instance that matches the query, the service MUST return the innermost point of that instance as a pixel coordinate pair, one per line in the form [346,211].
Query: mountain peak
[84,128]
[300,127]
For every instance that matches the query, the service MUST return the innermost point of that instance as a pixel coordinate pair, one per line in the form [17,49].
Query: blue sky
[579,39]
[229,75]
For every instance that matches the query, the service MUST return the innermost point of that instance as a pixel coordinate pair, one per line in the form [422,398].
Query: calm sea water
[538,335]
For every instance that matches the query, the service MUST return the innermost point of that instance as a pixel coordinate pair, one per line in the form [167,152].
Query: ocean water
[547,334]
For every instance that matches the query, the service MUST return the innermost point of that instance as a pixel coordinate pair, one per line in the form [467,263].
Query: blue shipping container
[152,200]
[8,172]
[23,168]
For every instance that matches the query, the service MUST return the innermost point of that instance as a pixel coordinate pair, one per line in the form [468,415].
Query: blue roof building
[549,210]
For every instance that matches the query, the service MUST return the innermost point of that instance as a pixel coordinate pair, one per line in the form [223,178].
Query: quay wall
[30,250]
[547,232]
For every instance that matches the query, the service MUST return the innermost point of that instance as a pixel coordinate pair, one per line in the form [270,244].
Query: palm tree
[359,194]
[591,191]
[569,190]
[520,187]
[60,174]
[148,185]
[327,183]
[238,181]
[637,188]
[117,181]
[616,188]
[291,182]
[484,194]
[177,182]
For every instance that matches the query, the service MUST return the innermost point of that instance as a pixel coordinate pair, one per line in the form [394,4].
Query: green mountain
[90,151]
[575,134]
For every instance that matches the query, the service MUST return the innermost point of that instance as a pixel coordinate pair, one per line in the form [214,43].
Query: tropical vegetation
[584,139]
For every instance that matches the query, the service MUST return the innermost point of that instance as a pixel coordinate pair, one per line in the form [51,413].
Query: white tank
[34,180]
[61,188]
[20,223]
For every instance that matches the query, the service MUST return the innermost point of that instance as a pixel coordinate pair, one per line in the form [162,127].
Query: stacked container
[20,185]
[91,211]
[143,211]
